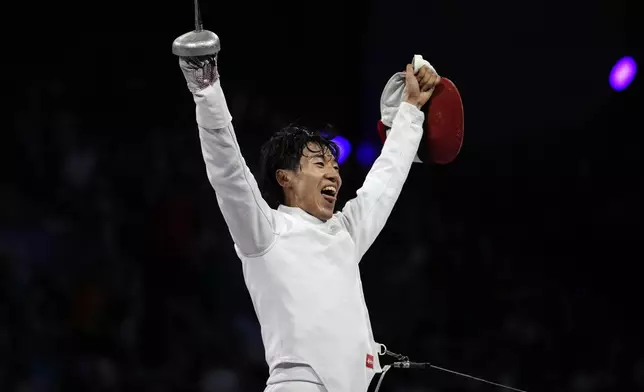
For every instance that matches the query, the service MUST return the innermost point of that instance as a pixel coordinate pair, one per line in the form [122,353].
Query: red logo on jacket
[370,361]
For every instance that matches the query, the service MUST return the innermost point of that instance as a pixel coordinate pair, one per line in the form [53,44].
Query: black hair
[283,151]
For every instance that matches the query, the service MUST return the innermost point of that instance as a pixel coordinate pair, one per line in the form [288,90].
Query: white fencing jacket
[302,273]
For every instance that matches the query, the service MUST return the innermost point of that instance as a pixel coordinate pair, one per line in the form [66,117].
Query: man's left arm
[365,215]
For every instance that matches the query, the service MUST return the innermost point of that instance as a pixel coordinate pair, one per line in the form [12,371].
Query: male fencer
[300,257]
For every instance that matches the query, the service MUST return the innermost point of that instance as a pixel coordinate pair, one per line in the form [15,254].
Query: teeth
[329,188]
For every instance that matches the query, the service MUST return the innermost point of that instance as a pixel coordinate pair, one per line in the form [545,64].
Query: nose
[333,176]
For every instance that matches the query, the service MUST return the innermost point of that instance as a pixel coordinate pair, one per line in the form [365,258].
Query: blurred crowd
[117,272]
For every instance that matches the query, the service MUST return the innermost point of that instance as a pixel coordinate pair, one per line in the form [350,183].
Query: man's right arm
[249,218]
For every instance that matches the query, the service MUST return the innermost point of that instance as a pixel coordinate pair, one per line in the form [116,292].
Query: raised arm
[366,214]
[248,216]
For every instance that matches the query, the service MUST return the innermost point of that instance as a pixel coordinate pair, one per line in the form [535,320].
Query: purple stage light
[344,147]
[623,73]
[366,153]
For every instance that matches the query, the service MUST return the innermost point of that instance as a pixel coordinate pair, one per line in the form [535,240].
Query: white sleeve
[249,218]
[365,215]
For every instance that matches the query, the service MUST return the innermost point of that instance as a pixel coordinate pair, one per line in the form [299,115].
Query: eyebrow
[316,155]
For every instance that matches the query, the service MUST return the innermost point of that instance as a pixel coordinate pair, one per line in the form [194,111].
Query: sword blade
[198,24]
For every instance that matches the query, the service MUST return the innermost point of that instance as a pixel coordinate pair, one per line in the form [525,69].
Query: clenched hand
[420,86]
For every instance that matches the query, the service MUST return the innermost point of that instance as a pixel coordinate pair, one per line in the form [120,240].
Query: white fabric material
[295,386]
[293,372]
[394,93]
[302,273]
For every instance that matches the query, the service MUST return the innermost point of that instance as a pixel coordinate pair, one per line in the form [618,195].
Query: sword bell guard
[196,43]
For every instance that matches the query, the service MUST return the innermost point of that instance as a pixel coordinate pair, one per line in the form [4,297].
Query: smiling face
[315,185]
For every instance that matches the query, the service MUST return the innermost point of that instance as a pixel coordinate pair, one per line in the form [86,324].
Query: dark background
[518,262]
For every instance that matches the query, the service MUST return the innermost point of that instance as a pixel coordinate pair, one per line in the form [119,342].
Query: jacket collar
[298,212]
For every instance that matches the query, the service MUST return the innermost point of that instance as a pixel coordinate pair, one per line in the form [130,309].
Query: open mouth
[329,193]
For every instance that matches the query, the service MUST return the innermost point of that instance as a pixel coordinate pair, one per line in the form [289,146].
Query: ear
[283,178]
